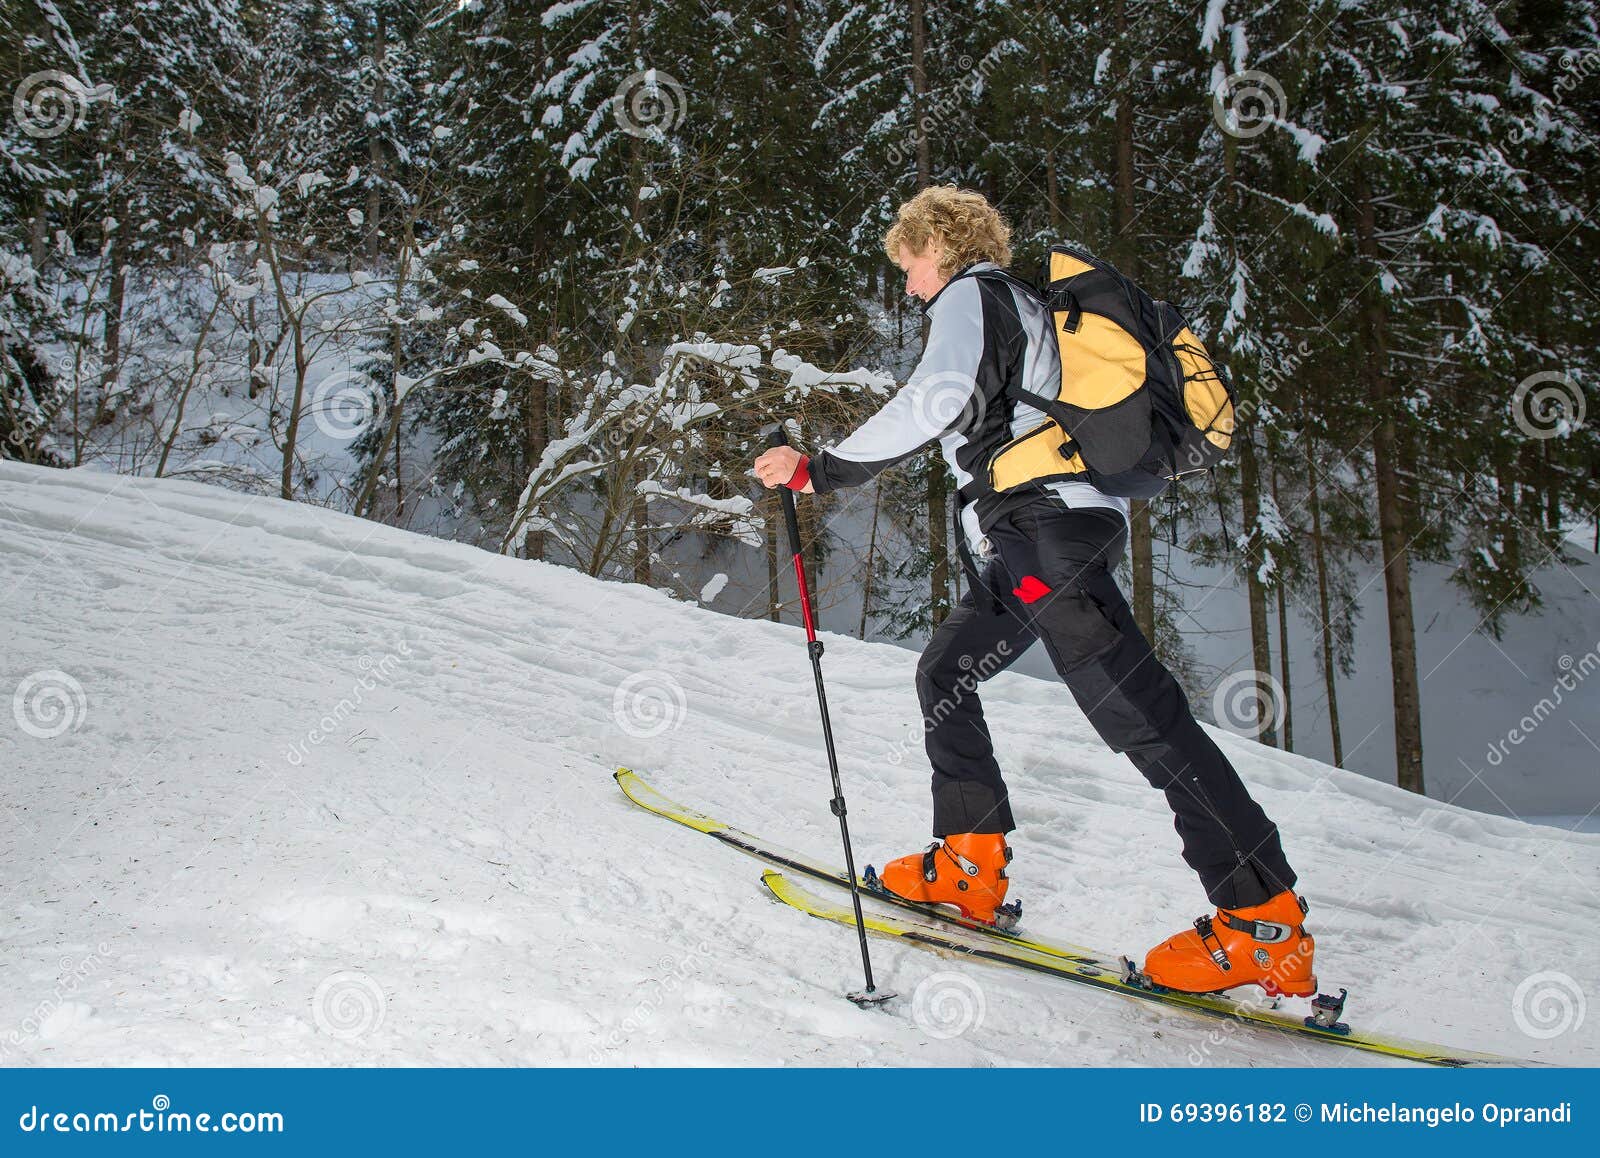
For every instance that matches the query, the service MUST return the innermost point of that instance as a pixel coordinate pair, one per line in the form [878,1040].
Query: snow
[500,302]
[337,793]
[713,587]
[1210,25]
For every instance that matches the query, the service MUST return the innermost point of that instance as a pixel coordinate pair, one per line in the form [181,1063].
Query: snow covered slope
[283,786]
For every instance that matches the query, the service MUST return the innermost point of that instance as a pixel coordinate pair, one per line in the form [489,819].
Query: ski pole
[869,996]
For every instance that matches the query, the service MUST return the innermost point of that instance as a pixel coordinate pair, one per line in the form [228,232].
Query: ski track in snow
[445,873]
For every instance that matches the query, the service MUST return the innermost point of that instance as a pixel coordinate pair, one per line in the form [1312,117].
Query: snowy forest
[535,276]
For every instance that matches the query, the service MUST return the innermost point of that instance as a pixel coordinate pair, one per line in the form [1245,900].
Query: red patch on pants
[1031,589]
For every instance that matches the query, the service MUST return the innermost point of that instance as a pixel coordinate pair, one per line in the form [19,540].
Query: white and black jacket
[983,333]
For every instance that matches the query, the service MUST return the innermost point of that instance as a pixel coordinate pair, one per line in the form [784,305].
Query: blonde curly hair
[971,228]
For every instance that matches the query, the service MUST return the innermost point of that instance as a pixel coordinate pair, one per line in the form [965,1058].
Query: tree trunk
[1324,615]
[39,232]
[1280,588]
[938,541]
[375,141]
[115,299]
[919,94]
[1283,668]
[1052,179]
[808,518]
[291,436]
[535,439]
[1388,468]
[1141,548]
[1260,642]
[641,539]
[938,511]
[258,380]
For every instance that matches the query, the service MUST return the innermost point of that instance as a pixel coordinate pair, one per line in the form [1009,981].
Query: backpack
[1141,402]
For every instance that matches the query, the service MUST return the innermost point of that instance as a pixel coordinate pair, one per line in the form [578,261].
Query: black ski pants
[1050,578]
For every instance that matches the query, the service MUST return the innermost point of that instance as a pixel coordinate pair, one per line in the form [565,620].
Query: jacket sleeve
[937,398]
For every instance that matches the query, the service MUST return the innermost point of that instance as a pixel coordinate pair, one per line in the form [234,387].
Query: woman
[1045,555]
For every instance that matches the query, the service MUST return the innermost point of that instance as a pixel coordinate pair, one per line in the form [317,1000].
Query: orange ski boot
[1263,945]
[967,870]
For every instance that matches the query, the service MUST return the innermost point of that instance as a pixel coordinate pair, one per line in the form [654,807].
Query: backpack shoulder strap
[1049,406]
[1010,279]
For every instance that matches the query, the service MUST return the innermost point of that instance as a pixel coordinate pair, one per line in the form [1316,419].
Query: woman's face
[923,278]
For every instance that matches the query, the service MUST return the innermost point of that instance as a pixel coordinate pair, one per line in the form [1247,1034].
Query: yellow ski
[929,935]
[943,930]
